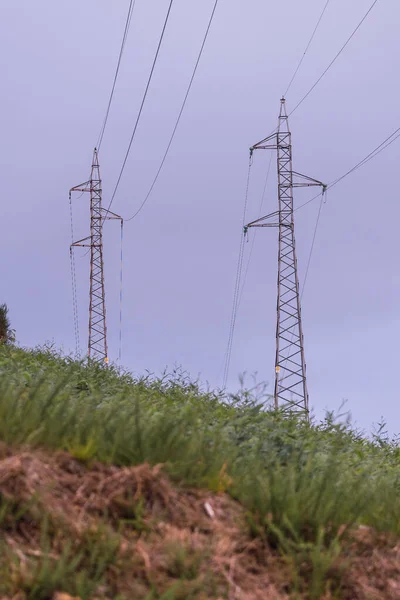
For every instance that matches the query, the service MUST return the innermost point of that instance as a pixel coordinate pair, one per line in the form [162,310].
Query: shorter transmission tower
[97,344]
[290,366]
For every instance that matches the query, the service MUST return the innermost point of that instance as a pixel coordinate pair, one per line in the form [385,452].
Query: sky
[57,61]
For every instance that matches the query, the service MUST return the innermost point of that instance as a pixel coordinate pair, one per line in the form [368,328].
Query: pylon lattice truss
[290,366]
[97,344]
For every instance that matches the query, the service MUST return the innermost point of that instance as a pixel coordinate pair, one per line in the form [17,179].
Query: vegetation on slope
[244,502]
[7,335]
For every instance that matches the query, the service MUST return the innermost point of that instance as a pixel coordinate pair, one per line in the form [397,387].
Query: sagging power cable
[124,38]
[142,104]
[179,114]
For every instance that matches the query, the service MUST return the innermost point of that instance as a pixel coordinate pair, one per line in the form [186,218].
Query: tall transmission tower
[97,344]
[290,366]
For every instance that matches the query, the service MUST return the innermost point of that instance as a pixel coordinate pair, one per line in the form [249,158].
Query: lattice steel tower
[290,365]
[97,345]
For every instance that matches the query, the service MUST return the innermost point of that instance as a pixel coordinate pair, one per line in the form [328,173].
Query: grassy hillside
[112,487]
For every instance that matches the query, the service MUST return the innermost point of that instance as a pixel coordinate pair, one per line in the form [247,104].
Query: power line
[255,231]
[385,144]
[142,103]
[380,148]
[179,115]
[120,292]
[73,281]
[335,58]
[237,285]
[362,162]
[369,157]
[327,69]
[124,38]
[366,159]
[312,245]
[308,201]
[228,353]
[98,145]
[307,47]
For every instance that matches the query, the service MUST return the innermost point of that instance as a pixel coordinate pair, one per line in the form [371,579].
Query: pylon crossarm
[266,225]
[79,243]
[113,215]
[309,181]
[262,145]
[82,187]
[261,219]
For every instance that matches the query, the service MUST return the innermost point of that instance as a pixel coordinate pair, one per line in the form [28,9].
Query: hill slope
[117,488]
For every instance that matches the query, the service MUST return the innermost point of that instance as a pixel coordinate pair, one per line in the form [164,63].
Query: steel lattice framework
[290,365]
[97,345]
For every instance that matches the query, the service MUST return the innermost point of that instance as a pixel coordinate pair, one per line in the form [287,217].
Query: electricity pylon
[290,366]
[97,344]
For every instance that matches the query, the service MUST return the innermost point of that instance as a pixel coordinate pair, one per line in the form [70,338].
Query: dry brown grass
[192,542]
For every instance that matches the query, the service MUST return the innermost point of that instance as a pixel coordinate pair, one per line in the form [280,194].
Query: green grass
[78,568]
[300,483]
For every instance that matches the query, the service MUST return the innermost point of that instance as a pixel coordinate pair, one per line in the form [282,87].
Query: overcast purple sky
[57,62]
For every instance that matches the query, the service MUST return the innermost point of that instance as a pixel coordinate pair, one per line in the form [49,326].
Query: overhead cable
[73,282]
[120,292]
[142,103]
[335,58]
[380,148]
[312,244]
[255,230]
[327,68]
[124,38]
[179,115]
[387,142]
[237,284]
[307,47]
